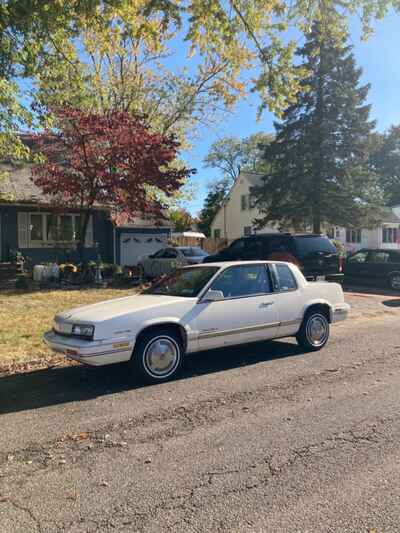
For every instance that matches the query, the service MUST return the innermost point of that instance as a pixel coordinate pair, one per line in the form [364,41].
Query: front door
[246,314]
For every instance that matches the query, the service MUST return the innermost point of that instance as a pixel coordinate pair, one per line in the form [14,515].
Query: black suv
[315,254]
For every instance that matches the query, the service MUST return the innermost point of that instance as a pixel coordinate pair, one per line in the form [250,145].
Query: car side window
[255,249]
[170,253]
[286,280]
[359,257]
[237,246]
[242,281]
[394,258]
[378,257]
[159,254]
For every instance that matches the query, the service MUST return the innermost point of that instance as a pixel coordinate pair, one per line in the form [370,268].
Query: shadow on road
[392,303]
[42,388]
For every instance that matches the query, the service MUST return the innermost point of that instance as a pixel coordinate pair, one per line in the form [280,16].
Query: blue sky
[379,59]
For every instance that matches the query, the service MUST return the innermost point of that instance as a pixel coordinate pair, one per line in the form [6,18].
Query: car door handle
[266,304]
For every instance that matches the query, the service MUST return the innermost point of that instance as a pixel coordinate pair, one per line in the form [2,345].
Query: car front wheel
[314,331]
[158,355]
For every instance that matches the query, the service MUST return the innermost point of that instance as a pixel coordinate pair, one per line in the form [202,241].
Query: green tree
[230,155]
[181,219]
[385,160]
[320,172]
[216,194]
[231,37]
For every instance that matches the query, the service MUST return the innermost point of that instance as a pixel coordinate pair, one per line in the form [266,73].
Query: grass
[24,317]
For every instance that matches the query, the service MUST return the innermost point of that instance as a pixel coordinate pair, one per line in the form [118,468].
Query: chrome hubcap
[161,356]
[395,282]
[317,330]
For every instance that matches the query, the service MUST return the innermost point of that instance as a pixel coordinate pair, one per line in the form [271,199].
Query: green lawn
[25,317]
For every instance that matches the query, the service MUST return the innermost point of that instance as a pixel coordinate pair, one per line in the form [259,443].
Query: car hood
[112,309]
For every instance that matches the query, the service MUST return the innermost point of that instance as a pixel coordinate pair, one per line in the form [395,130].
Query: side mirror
[213,296]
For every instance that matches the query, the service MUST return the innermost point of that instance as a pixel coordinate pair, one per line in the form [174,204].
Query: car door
[151,265]
[377,267]
[287,298]
[355,266]
[246,314]
[171,261]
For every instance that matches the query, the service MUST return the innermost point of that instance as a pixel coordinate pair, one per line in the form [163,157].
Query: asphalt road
[262,438]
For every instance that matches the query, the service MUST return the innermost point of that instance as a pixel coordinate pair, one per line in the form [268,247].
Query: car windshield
[193,252]
[186,282]
[308,245]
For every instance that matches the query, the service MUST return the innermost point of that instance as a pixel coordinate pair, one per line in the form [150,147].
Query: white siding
[232,217]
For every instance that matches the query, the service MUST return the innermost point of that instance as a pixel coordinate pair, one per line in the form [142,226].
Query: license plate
[320,278]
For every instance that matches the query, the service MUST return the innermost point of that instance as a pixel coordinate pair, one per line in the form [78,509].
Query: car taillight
[341,263]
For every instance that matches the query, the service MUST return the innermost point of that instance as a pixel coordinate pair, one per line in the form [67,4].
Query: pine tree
[319,159]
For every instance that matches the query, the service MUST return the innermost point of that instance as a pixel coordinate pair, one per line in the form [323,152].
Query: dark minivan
[315,254]
[375,267]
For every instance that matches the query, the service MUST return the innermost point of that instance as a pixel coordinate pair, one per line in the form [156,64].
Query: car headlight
[83,330]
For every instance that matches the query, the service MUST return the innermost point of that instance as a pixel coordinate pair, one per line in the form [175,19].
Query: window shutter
[23,230]
[89,233]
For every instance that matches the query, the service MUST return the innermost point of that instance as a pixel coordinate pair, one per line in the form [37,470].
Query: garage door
[134,245]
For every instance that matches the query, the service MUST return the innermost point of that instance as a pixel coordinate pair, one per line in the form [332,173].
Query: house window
[247,231]
[353,236]
[252,201]
[247,201]
[36,227]
[217,234]
[389,235]
[46,228]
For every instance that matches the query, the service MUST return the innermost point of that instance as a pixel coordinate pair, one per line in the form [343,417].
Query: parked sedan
[167,260]
[200,308]
[374,266]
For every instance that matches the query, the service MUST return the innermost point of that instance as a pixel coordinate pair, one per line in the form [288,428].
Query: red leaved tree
[113,160]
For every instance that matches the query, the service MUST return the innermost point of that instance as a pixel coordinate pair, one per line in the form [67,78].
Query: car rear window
[308,245]
[285,278]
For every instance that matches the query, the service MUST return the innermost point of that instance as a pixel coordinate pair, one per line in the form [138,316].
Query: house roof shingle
[17,186]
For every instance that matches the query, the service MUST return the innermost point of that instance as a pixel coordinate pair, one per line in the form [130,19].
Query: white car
[166,260]
[200,308]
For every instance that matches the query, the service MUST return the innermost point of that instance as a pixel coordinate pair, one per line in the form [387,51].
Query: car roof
[396,251]
[236,263]
[268,235]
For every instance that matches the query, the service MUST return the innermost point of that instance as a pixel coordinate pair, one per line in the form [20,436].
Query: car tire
[394,281]
[314,331]
[158,355]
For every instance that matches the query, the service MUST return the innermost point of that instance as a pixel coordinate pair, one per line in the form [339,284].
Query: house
[386,235]
[235,217]
[30,223]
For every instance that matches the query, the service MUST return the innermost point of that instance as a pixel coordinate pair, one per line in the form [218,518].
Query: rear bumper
[340,312]
[336,278]
[96,353]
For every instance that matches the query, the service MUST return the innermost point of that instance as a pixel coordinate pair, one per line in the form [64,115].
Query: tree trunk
[81,243]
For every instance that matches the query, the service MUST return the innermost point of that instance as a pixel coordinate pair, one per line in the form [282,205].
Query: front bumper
[340,312]
[96,353]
